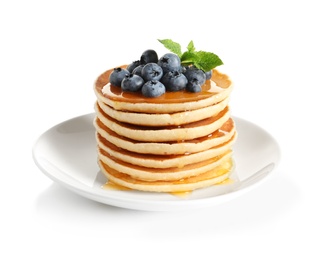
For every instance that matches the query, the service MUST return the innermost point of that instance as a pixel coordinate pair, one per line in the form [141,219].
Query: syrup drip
[217,84]
[226,181]
[181,194]
[113,186]
[116,187]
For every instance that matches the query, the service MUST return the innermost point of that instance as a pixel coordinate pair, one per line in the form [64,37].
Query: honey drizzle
[217,84]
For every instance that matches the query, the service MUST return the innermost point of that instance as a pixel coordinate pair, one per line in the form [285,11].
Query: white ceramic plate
[67,154]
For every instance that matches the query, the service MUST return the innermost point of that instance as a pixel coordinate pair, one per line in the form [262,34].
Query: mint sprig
[203,60]
[172,46]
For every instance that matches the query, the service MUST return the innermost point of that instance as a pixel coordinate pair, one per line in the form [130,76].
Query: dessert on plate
[163,124]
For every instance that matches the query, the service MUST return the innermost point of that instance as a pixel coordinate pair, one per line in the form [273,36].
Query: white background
[50,54]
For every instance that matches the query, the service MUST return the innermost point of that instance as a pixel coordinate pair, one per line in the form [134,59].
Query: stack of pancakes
[177,142]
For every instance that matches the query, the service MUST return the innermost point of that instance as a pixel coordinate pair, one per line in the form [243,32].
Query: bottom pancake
[209,178]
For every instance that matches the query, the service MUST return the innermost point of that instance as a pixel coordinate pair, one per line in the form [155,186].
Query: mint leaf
[172,46]
[188,58]
[206,61]
[191,47]
[203,60]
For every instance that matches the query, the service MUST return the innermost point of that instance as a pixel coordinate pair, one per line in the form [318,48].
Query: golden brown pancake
[183,132]
[218,137]
[157,119]
[213,91]
[163,161]
[209,178]
[168,174]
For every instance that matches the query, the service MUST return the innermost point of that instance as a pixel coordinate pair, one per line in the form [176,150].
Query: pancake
[222,135]
[209,178]
[163,161]
[164,134]
[169,174]
[167,119]
[213,92]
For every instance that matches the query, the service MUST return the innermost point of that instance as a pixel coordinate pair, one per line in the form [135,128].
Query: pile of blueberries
[155,76]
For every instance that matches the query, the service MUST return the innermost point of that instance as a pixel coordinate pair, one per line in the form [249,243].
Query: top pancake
[213,91]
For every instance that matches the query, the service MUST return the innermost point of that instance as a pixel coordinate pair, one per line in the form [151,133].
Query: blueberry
[208,74]
[138,70]
[169,62]
[193,87]
[152,71]
[153,88]
[132,82]
[117,76]
[195,75]
[174,81]
[133,65]
[149,56]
